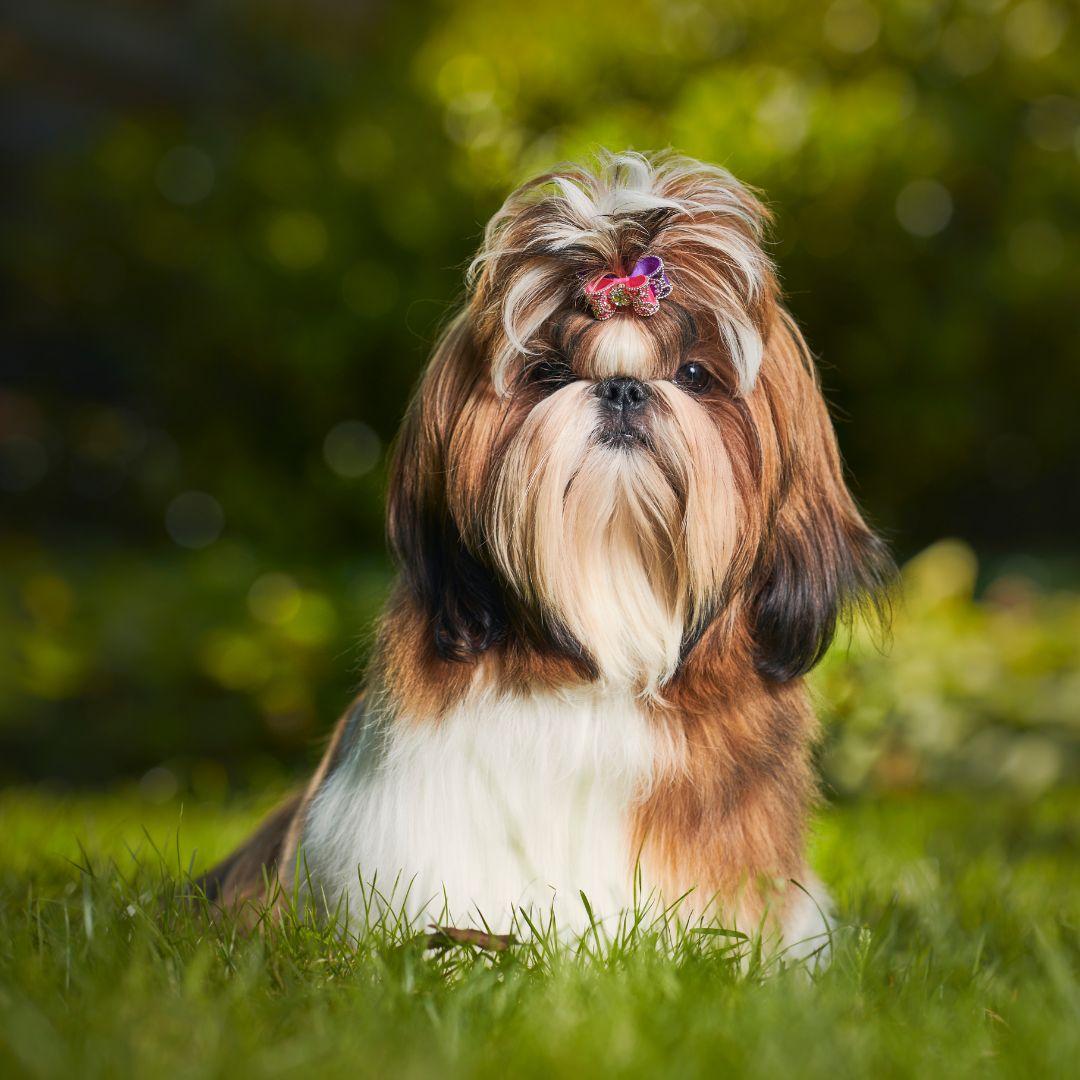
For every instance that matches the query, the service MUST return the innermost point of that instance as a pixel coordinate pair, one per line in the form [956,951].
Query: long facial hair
[624,546]
[532,534]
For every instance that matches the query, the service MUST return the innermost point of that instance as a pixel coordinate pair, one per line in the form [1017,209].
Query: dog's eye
[549,373]
[694,378]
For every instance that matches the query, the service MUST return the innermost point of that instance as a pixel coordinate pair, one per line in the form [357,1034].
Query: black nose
[622,393]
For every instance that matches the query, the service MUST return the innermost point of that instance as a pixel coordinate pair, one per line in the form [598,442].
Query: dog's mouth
[624,433]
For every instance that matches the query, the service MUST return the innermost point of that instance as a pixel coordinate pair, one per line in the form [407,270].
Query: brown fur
[250,872]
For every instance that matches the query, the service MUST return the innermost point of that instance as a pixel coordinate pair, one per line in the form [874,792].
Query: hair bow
[642,290]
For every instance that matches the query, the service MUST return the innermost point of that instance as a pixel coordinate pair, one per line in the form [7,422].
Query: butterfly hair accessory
[641,290]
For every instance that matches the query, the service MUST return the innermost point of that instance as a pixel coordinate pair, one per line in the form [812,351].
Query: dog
[623,537]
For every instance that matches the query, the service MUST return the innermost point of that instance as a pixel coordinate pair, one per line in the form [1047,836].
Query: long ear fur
[821,561]
[454,591]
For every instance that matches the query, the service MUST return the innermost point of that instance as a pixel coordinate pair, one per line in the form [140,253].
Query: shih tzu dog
[624,536]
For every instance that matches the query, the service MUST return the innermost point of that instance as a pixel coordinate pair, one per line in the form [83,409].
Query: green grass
[958,956]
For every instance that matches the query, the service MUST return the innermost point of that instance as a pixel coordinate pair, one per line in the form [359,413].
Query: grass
[958,956]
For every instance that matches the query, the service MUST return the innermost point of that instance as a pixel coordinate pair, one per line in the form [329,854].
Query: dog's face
[626,492]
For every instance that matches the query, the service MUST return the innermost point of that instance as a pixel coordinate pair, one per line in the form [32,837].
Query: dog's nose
[622,393]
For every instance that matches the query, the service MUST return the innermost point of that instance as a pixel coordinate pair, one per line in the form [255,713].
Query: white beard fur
[505,803]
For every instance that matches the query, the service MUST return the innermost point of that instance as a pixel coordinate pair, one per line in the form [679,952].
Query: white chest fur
[505,802]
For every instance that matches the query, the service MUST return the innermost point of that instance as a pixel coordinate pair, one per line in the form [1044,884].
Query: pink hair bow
[642,290]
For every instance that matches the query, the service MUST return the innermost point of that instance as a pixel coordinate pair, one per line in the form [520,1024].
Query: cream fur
[585,531]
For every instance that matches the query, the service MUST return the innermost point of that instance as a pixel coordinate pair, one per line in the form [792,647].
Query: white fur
[808,923]
[504,802]
[507,803]
[622,347]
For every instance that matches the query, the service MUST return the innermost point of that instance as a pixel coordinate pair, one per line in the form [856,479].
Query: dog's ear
[820,562]
[457,594]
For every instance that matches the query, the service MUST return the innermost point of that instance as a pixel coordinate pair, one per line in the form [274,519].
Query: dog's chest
[505,802]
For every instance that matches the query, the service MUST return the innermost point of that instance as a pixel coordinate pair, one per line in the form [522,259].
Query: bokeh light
[194,519]
[924,207]
[185,175]
[351,448]
[851,26]
[274,598]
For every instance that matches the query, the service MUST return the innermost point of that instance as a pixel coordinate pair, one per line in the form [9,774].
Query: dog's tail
[243,874]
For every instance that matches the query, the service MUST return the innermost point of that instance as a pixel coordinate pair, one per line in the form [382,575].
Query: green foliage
[203,287]
[983,693]
[222,285]
[956,955]
[203,663]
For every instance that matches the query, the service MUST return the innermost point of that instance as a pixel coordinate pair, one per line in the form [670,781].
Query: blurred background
[231,231]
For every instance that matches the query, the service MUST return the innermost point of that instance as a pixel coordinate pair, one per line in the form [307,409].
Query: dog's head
[611,489]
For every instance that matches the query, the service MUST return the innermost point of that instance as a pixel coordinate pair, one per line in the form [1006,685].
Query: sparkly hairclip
[642,290]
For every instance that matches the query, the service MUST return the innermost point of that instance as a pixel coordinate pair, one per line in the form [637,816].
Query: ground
[957,955]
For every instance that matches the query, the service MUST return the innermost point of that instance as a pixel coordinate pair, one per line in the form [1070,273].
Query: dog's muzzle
[622,404]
